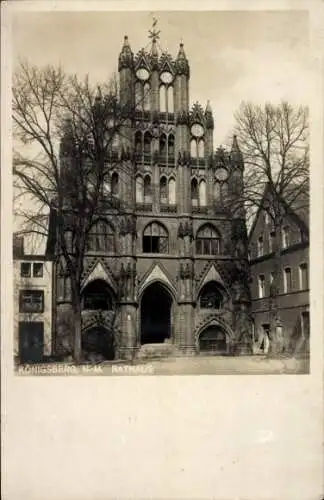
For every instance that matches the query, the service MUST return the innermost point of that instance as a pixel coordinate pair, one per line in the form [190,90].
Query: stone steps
[155,351]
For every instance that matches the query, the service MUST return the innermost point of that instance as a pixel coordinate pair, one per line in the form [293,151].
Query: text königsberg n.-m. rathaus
[180,255]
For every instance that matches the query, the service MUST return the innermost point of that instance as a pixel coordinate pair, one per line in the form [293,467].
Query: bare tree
[275,148]
[58,117]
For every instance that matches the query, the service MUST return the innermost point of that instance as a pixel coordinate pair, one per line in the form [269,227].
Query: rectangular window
[38,270]
[287,280]
[303,277]
[261,286]
[25,269]
[31,301]
[305,324]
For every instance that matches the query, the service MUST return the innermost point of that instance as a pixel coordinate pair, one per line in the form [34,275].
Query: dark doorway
[213,341]
[31,341]
[97,296]
[97,343]
[155,315]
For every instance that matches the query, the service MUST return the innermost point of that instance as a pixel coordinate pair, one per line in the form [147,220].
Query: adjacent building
[293,297]
[33,305]
[171,272]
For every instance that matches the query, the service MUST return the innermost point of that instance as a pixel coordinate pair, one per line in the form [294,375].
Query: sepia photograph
[160,169]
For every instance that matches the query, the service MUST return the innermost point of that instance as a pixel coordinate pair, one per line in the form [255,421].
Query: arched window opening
[97,296]
[211,297]
[163,106]
[217,192]
[172,191]
[139,189]
[224,191]
[114,184]
[101,237]
[155,239]
[163,145]
[171,146]
[163,190]
[194,192]
[207,241]
[147,144]
[170,100]
[147,188]
[202,193]
[201,149]
[147,95]
[138,144]
[139,95]
[193,148]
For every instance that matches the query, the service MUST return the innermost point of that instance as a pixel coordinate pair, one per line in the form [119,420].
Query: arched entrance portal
[212,341]
[97,342]
[155,314]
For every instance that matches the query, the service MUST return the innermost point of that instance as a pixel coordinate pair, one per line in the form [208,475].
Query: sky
[233,55]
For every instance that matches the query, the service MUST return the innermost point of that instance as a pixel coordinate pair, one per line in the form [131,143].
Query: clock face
[197,130]
[166,77]
[142,74]
[221,174]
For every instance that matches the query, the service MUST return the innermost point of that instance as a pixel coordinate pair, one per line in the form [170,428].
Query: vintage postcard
[162,171]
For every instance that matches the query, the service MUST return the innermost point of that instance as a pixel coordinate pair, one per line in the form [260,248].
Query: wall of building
[44,283]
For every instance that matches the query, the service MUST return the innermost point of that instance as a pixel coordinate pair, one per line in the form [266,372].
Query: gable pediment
[98,272]
[156,274]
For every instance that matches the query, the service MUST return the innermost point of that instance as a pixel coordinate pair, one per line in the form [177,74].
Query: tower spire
[126,54]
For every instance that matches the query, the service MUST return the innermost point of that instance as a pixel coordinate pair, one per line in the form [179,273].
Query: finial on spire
[154,33]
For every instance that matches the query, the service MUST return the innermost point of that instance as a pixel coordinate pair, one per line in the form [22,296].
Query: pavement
[198,365]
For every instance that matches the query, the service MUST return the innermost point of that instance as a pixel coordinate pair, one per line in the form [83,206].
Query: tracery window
[202,193]
[139,189]
[163,190]
[194,192]
[114,184]
[207,241]
[210,296]
[155,238]
[147,188]
[101,237]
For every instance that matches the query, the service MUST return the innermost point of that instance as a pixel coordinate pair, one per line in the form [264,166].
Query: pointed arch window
[207,241]
[171,146]
[155,238]
[163,99]
[163,190]
[139,189]
[138,144]
[170,100]
[101,237]
[147,144]
[217,192]
[114,184]
[201,148]
[147,96]
[202,193]
[147,189]
[97,295]
[193,148]
[172,191]
[194,192]
[139,95]
[211,296]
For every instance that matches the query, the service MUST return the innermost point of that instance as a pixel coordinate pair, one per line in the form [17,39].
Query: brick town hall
[179,254]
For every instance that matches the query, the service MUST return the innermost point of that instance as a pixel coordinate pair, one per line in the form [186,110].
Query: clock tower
[175,259]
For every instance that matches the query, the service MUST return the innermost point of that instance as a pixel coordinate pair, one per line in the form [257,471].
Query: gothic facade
[171,271]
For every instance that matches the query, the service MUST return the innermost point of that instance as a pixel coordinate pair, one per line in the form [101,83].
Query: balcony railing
[199,209]
[144,207]
[166,207]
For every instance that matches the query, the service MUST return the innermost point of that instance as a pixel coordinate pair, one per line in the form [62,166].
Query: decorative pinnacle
[235,146]
[154,33]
